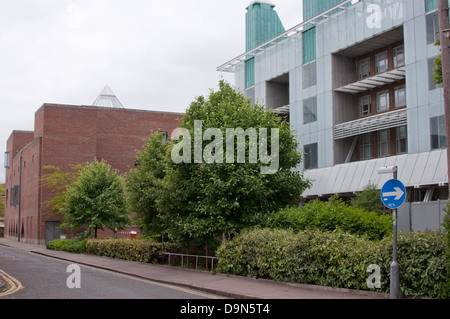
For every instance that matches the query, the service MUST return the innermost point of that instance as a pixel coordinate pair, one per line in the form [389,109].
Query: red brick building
[65,135]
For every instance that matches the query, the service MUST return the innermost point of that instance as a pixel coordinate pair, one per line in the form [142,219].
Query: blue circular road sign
[393,194]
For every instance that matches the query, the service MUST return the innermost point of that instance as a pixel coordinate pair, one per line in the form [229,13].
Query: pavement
[224,285]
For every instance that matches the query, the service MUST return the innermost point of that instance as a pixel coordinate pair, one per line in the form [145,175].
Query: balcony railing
[370,124]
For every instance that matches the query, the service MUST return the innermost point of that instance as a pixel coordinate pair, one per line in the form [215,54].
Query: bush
[337,259]
[69,245]
[142,250]
[331,215]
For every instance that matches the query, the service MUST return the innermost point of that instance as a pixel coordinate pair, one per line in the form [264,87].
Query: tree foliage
[199,201]
[96,199]
[437,71]
[57,181]
[142,184]
[369,199]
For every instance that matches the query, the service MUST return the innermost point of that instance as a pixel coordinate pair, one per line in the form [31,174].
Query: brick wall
[66,135]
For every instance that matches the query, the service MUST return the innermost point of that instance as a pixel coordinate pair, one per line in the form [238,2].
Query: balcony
[373,82]
[370,124]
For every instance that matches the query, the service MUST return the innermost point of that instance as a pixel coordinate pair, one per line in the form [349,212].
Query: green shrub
[331,215]
[69,245]
[142,250]
[337,259]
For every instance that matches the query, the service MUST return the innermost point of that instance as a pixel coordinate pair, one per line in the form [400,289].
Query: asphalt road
[41,277]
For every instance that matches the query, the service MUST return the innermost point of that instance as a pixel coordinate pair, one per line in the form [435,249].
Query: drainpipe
[20,197]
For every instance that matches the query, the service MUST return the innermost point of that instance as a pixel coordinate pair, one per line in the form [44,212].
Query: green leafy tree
[96,199]
[200,201]
[369,199]
[57,181]
[437,71]
[142,184]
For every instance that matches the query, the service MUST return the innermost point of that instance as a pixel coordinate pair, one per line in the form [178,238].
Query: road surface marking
[14,284]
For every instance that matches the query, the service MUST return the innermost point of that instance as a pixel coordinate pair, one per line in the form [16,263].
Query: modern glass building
[355,80]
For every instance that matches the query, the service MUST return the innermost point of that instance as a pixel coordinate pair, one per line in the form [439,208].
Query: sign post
[393,195]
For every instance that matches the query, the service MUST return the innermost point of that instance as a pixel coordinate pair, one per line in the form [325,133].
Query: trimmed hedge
[338,259]
[331,215]
[142,250]
[70,245]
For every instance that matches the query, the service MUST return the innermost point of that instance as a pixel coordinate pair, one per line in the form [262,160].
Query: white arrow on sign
[398,193]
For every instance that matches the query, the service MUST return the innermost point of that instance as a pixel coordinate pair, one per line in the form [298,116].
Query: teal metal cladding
[309,45]
[249,73]
[312,8]
[431,5]
[262,24]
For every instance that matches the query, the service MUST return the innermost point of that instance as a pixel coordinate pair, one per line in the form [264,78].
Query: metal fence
[421,216]
[197,257]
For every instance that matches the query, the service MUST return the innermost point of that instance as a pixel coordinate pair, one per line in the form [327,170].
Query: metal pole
[395,269]
[20,197]
[444,32]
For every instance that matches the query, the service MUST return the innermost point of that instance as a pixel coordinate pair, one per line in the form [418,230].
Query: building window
[399,56]
[311,158]
[438,135]
[400,96]
[432,21]
[309,75]
[364,68]
[366,146]
[310,110]
[381,62]
[364,105]
[401,140]
[14,196]
[383,101]
[7,159]
[165,136]
[384,143]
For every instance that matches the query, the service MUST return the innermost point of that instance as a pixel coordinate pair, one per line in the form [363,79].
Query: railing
[196,259]
[370,124]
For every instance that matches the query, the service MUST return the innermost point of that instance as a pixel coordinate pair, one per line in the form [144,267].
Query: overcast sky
[155,55]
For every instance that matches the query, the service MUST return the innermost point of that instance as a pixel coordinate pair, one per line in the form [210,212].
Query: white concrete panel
[424,129]
[334,40]
[359,22]
[409,42]
[327,69]
[408,10]
[421,38]
[319,40]
[350,30]
[342,32]
[422,82]
[329,147]
[419,7]
[320,67]
[326,39]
